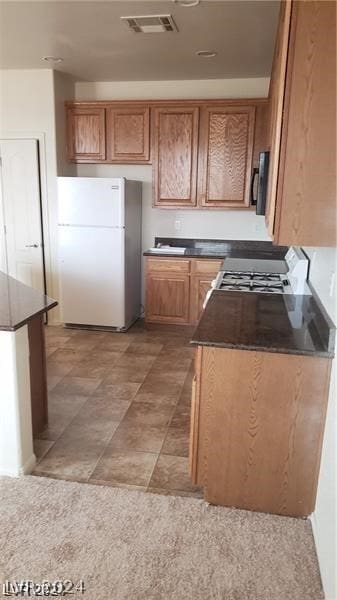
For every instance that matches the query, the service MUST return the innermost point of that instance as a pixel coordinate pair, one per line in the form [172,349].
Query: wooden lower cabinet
[202,274]
[167,298]
[257,427]
[176,289]
[38,374]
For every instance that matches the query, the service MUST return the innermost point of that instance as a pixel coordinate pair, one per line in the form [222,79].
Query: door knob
[32,245]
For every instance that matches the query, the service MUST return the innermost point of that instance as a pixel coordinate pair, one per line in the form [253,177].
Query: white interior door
[21,211]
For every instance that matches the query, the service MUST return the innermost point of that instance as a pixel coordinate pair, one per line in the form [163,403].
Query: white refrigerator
[99,235]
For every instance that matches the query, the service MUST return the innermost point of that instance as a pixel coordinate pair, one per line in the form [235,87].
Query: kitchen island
[22,373]
[260,394]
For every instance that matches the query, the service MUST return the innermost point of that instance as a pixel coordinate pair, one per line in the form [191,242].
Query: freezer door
[92,201]
[92,276]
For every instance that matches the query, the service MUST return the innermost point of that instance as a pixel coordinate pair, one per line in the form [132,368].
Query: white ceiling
[97,46]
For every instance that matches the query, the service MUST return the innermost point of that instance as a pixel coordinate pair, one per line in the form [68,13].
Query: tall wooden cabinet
[225,156]
[302,188]
[175,154]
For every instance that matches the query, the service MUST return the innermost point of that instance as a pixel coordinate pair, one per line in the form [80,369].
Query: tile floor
[119,408]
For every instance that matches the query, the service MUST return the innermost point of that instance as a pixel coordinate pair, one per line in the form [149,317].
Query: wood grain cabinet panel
[175,149]
[86,134]
[38,375]
[301,203]
[261,139]
[225,156]
[259,435]
[168,265]
[306,192]
[202,274]
[176,288]
[167,298]
[128,134]
[200,284]
[195,425]
[276,100]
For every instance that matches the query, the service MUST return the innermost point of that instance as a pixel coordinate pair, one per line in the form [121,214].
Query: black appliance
[262,173]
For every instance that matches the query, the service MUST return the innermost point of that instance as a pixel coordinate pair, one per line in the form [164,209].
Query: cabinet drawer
[206,266]
[168,265]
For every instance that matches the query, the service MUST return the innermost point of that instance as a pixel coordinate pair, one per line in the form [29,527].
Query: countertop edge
[256,348]
[27,319]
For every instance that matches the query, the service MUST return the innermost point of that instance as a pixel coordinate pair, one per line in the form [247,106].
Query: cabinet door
[167,298]
[203,273]
[225,156]
[306,186]
[175,141]
[128,134]
[276,99]
[200,285]
[260,435]
[194,468]
[86,134]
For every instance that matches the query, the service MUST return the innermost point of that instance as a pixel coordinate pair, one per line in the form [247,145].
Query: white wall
[324,519]
[160,222]
[194,88]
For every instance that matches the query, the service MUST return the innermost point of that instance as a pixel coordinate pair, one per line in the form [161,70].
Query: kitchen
[198,222]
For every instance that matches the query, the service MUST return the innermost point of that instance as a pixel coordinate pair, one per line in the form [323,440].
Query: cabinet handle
[253,201]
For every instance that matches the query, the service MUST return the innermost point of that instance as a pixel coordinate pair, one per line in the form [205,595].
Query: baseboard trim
[25,469]
[314,527]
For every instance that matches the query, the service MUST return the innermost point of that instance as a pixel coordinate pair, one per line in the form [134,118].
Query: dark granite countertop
[288,324]
[20,303]
[220,249]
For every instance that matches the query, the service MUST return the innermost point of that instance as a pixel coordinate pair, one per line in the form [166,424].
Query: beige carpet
[128,545]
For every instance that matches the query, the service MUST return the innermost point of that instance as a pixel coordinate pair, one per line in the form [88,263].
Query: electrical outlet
[177,225]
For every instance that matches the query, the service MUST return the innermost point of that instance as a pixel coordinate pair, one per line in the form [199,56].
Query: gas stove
[286,276]
[266,283]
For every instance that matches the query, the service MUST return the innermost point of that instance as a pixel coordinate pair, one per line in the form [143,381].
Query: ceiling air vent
[150,23]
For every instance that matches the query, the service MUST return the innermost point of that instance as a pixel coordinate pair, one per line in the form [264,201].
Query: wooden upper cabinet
[306,189]
[128,134]
[276,100]
[301,202]
[175,149]
[261,135]
[86,134]
[225,156]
